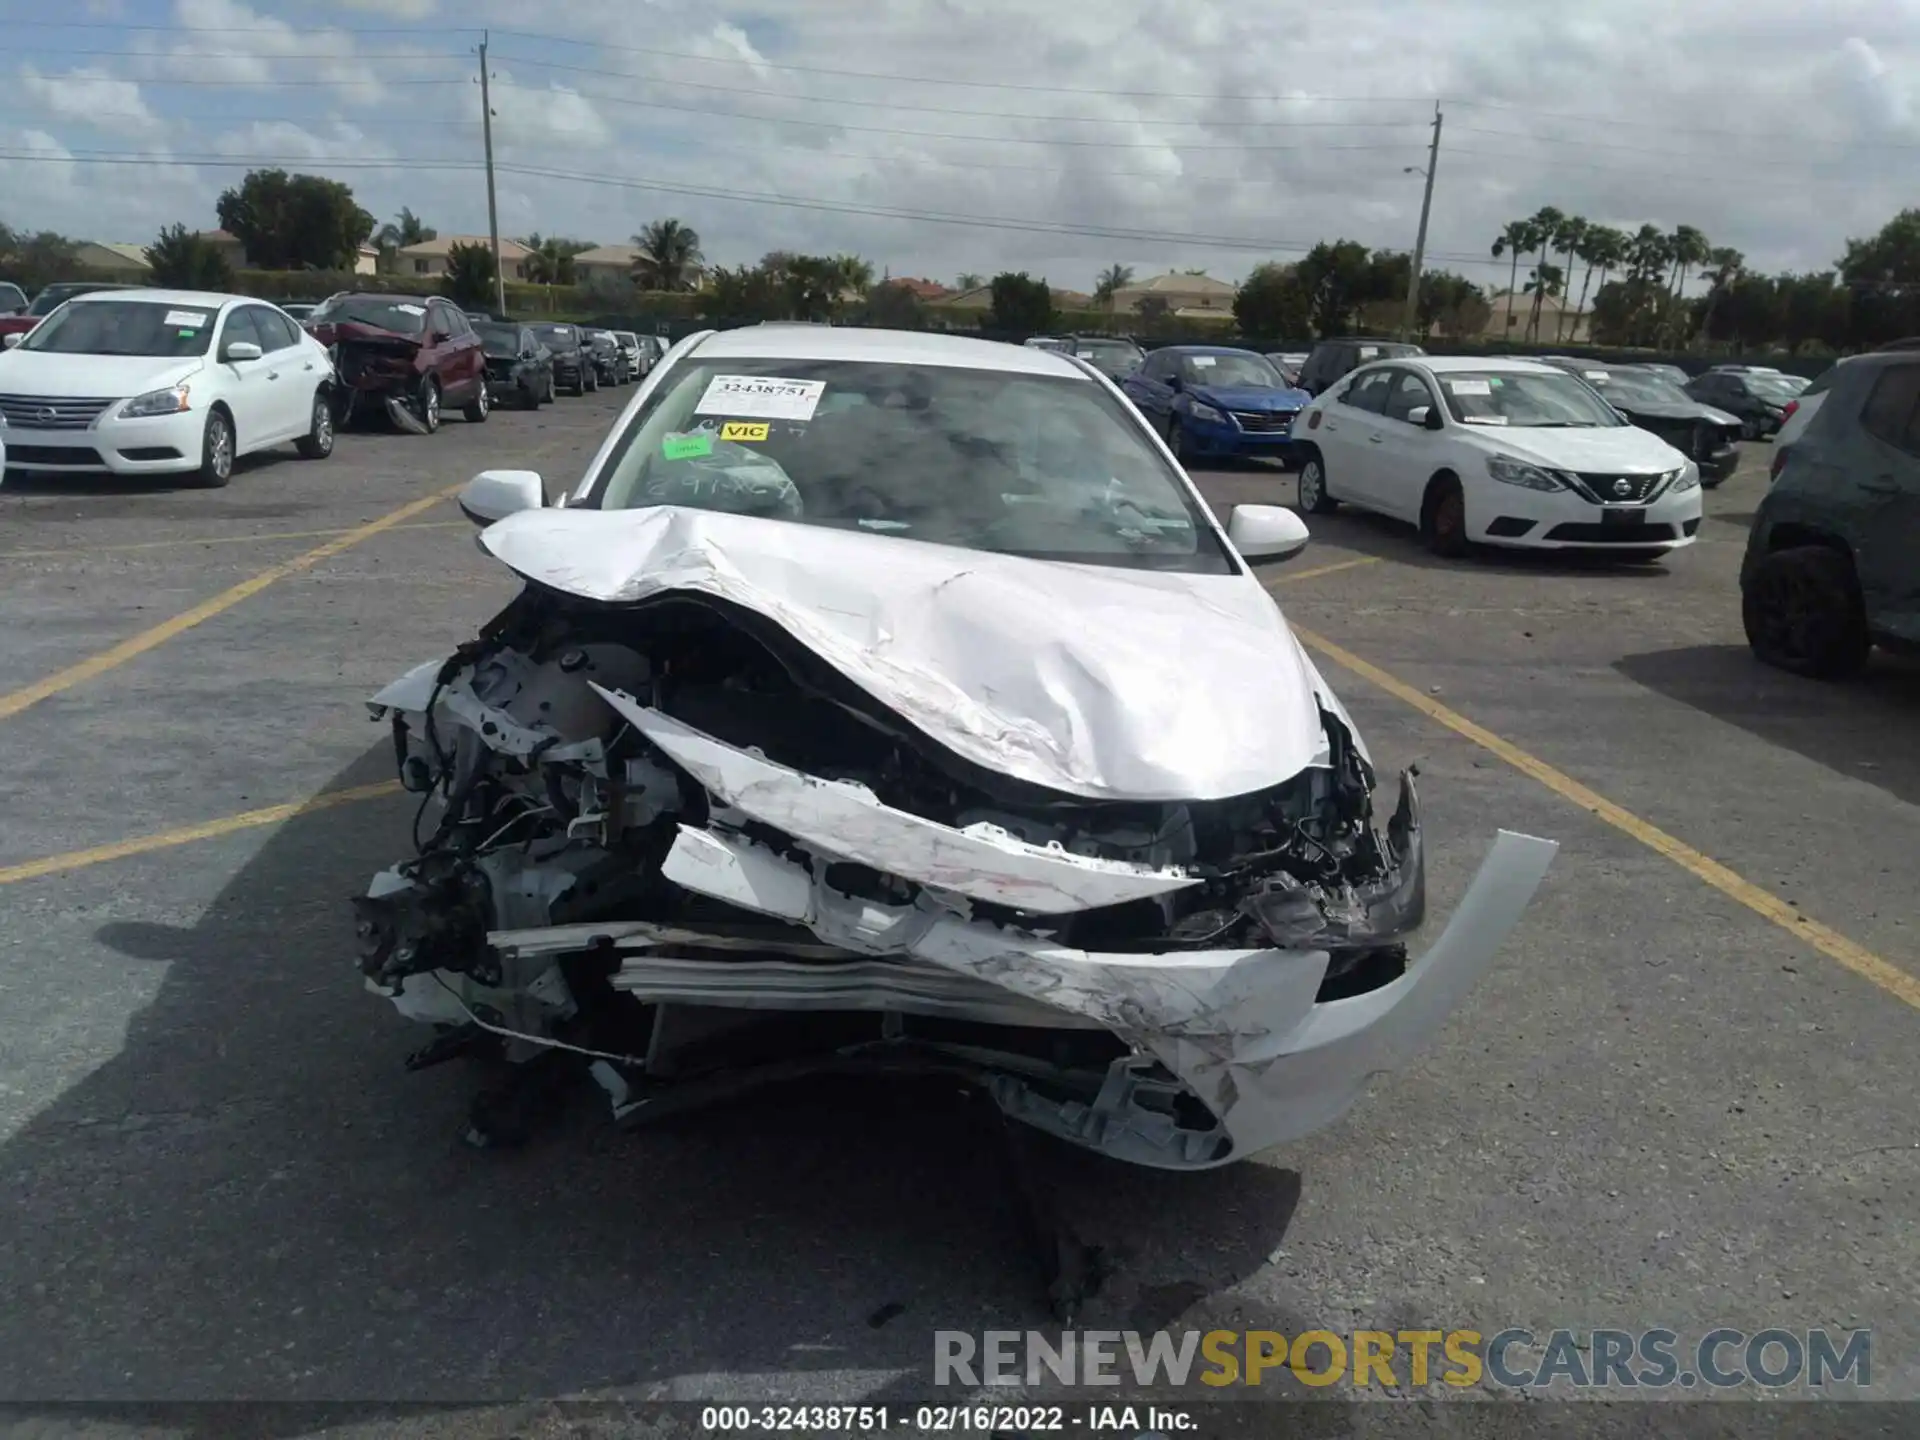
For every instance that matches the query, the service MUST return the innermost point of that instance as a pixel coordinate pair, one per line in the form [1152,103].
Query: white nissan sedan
[1477,450]
[900,694]
[162,382]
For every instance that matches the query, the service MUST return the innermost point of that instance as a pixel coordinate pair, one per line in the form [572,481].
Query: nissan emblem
[46,414]
[1623,487]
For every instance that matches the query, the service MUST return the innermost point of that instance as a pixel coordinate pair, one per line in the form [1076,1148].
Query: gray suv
[1833,560]
[1331,359]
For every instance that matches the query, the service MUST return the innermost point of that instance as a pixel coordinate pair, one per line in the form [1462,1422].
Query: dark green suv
[1833,561]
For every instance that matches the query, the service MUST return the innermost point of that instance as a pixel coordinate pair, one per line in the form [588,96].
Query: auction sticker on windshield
[411,309]
[744,431]
[761,397]
[187,319]
[687,447]
[1469,387]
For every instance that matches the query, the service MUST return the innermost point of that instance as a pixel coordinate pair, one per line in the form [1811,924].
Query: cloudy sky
[940,136]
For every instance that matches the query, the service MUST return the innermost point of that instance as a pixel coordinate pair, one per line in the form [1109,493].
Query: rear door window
[1892,411]
[1369,392]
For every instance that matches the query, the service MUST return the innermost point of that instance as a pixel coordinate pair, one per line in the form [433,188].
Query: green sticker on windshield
[687,447]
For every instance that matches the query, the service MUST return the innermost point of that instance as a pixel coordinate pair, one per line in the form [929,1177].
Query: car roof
[1208,350]
[897,347]
[208,299]
[1496,364]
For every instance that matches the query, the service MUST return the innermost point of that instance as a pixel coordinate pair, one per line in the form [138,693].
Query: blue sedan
[1210,400]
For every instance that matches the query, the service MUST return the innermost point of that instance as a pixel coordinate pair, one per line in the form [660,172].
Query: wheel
[548,396]
[1445,526]
[430,404]
[317,443]
[1803,613]
[1706,484]
[476,413]
[1177,438]
[592,381]
[216,451]
[1749,428]
[1314,499]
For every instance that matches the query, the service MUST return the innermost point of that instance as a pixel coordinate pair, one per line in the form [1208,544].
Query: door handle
[309,365]
[273,374]
[1880,485]
[1374,439]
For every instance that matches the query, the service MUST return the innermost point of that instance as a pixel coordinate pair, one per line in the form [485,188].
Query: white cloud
[92,97]
[1776,128]
[397,9]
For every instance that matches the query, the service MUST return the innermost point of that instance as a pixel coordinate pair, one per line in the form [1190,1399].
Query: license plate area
[1624,515]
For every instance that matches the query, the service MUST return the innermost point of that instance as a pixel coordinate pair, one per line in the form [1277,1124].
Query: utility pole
[1411,319]
[493,208]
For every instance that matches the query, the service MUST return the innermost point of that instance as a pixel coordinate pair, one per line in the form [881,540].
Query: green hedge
[522,298]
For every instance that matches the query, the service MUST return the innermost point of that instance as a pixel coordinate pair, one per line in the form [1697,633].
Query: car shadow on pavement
[1389,539]
[54,482]
[1862,729]
[253,1199]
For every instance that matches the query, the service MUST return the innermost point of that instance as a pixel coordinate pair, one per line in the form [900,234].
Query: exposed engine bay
[666,839]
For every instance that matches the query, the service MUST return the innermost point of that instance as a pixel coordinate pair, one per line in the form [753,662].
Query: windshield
[1231,367]
[502,340]
[403,317]
[125,327]
[1040,466]
[1111,357]
[560,336]
[54,296]
[1627,386]
[1520,400]
[1775,385]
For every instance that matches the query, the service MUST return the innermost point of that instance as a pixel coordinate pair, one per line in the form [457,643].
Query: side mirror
[1174,383]
[240,350]
[1426,417]
[495,494]
[12,339]
[1266,532]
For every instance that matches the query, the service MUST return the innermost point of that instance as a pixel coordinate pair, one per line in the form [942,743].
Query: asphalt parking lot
[1682,1100]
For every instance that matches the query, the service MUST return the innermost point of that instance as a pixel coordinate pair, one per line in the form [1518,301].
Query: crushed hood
[359,332]
[1093,681]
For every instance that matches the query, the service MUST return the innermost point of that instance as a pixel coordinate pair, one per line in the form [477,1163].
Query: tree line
[1870,296]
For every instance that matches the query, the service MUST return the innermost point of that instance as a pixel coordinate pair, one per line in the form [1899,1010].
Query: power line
[306,57]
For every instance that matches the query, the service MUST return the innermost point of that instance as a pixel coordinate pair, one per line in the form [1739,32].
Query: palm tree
[1546,282]
[1571,235]
[1728,265]
[967,280]
[670,257]
[1689,248]
[403,230]
[855,274]
[1113,280]
[1518,236]
[1546,223]
[1603,248]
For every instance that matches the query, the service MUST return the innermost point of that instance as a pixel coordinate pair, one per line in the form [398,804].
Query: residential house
[927,292]
[1511,325]
[429,257]
[367,260]
[232,249]
[980,297]
[610,262]
[112,260]
[1187,297]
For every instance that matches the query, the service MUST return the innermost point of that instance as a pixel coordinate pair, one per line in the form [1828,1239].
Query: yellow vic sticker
[744,430]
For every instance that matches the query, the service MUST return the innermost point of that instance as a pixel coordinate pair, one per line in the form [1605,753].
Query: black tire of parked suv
[1803,613]
[592,381]
[216,452]
[430,404]
[1312,484]
[1443,520]
[550,394]
[476,411]
[579,385]
[317,443]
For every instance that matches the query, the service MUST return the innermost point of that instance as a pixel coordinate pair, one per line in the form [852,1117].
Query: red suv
[416,354]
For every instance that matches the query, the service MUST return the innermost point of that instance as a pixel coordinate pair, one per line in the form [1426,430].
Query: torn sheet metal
[844,820]
[1094,681]
[1243,1029]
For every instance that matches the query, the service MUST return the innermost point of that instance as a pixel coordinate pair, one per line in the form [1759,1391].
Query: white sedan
[891,702]
[1496,452]
[162,382]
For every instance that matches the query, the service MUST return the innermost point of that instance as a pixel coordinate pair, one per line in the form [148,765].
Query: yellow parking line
[186,835]
[213,540]
[1338,566]
[1831,943]
[96,665]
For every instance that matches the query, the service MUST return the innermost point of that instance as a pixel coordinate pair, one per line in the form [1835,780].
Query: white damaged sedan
[888,703]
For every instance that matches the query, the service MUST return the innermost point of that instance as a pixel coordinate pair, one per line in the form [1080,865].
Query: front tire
[476,413]
[317,443]
[592,381]
[216,452]
[1749,428]
[1312,483]
[1803,613]
[1177,439]
[1444,522]
[430,404]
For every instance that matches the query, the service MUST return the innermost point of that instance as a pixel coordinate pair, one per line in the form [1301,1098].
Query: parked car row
[136,381]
